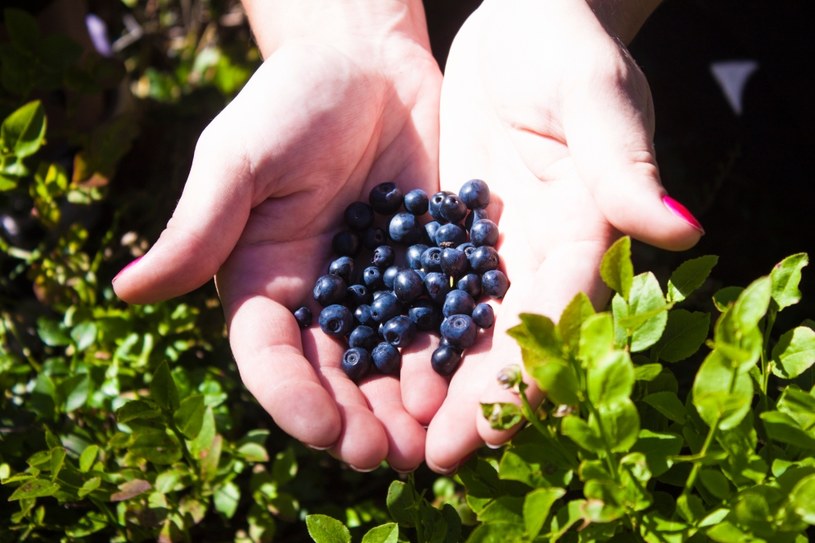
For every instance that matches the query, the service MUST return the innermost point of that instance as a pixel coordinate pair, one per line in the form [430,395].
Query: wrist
[623,18]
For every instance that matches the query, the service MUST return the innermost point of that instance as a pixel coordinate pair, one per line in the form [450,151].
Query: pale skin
[349,96]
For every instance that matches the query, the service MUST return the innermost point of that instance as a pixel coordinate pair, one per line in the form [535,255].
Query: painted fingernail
[132,263]
[682,212]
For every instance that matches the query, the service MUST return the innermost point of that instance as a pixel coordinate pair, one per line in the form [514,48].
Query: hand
[547,107]
[318,125]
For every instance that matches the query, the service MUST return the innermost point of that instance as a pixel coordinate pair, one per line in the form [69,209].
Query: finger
[422,389]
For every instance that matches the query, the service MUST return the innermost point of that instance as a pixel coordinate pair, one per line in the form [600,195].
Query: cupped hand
[313,130]
[545,105]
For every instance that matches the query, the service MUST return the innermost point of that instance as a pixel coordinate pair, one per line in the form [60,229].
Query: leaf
[163,389]
[34,488]
[189,417]
[783,428]
[136,410]
[226,499]
[155,445]
[211,458]
[88,457]
[596,338]
[752,304]
[616,268]
[23,132]
[131,489]
[579,431]
[715,482]
[668,405]
[537,335]
[503,509]
[402,503]
[537,505]
[684,334]
[284,467]
[794,353]
[83,335]
[802,499]
[620,424]
[558,380]
[645,315]
[610,379]
[571,320]
[324,529]
[384,533]
[785,278]
[658,449]
[75,389]
[89,486]
[689,276]
[502,416]
[720,393]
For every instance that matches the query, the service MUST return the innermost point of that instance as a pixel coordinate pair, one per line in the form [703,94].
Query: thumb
[609,129]
[205,226]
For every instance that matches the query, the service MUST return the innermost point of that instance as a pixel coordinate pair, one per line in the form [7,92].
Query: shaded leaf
[616,268]
[23,132]
[131,489]
[720,393]
[785,277]
[684,334]
[689,276]
[34,488]
[794,353]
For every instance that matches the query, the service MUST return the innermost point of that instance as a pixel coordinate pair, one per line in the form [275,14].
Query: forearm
[336,22]
[623,18]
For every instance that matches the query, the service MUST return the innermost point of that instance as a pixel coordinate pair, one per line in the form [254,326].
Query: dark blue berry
[474,216]
[405,228]
[372,277]
[435,203]
[362,314]
[437,285]
[483,259]
[459,331]
[336,320]
[445,359]
[359,216]
[452,209]
[454,262]
[363,336]
[303,316]
[356,363]
[484,232]
[343,267]
[386,358]
[430,229]
[425,316]
[483,315]
[385,198]
[475,194]
[468,248]
[413,255]
[385,307]
[329,289]
[357,294]
[383,256]
[450,235]
[389,275]
[416,201]
[373,237]
[399,331]
[431,259]
[494,283]
[345,243]
[457,302]
[471,284]
[408,285]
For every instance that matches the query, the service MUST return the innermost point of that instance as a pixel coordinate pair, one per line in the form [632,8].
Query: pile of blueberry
[417,275]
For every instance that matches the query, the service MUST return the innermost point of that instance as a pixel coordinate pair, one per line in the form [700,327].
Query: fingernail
[132,263]
[363,470]
[403,472]
[682,212]
[494,446]
[447,471]
[316,448]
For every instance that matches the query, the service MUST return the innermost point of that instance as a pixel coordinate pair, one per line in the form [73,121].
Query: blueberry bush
[683,411]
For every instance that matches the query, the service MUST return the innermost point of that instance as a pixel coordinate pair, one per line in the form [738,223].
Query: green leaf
[689,276]
[34,488]
[644,317]
[324,529]
[83,335]
[572,318]
[52,333]
[558,380]
[538,336]
[616,268]
[502,416]
[684,334]
[23,132]
[384,533]
[163,389]
[610,379]
[658,449]
[668,405]
[537,505]
[620,424]
[189,417]
[715,482]
[783,428]
[137,410]
[596,338]
[579,431]
[284,467]
[752,304]
[89,486]
[802,499]
[155,445]
[785,278]
[794,353]
[211,459]
[75,390]
[226,499]
[725,297]
[203,441]
[402,503]
[508,509]
[720,393]
[798,404]
[88,457]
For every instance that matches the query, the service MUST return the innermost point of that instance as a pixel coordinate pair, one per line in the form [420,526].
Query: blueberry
[362,314]
[483,259]
[459,330]
[383,256]
[343,267]
[363,336]
[386,358]
[407,285]
[483,315]
[303,316]
[413,255]
[336,320]
[468,248]
[457,302]
[484,232]
[399,331]
[385,198]
[474,216]
[356,362]
[431,259]
[437,285]
[404,228]
[425,316]
[356,295]
[416,201]
[475,194]
[452,209]
[494,283]
[385,307]
[359,216]
[450,235]
[373,237]
[435,203]
[471,284]
[389,275]
[372,277]
[345,243]
[430,229]
[445,359]
[454,262]
[329,289]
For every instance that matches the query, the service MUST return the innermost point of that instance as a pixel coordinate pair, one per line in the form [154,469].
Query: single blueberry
[362,314]
[372,277]
[450,235]
[329,289]
[343,267]
[483,259]
[303,316]
[363,336]
[373,237]
[405,228]
[452,209]
[407,285]
[356,363]
[383,256]
[483,315]
[425,316]
[386,358]
[468,247]
[454,262]
[494,283]
[336,320]
[385,198]
[431,259]
[430,229]
[399,331]
[413,255]
[484,232]
[345,243]
[437,285]
[457,302]
[435,203]
[445,359]
[357,294]
[471,284]
[389,275]
[416,201]
[475,194]
[385,307]
[474,216]
[459,330]
[359,216]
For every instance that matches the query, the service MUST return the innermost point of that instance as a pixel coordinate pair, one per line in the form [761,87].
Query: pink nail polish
[130,265]
[682,212]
